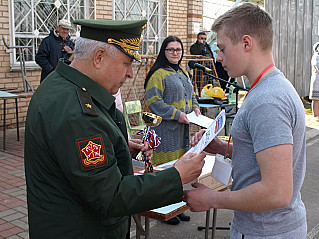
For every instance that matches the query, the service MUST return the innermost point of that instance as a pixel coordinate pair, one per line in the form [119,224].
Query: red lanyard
[227,150]
[260,75]
[255,82]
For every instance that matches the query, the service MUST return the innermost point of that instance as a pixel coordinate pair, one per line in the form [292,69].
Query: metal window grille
[155,11]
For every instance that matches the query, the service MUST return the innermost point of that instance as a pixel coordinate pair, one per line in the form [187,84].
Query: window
[32,20]
[155,11]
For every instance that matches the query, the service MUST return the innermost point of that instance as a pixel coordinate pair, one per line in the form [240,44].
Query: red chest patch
[92,153]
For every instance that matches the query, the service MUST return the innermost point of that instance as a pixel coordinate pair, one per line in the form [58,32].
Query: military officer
[80,182]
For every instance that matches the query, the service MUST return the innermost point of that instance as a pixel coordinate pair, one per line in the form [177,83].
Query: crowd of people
[78,156]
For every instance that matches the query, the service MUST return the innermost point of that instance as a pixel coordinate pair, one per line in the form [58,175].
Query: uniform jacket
[50,51]
[78,166]
[168,93]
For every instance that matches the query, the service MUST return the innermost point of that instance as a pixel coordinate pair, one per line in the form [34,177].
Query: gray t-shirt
[272,114]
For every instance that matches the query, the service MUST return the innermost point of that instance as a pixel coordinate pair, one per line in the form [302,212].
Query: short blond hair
[246,19]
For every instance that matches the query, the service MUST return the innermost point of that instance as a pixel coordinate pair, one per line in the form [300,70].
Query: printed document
[210,133]
[200,120]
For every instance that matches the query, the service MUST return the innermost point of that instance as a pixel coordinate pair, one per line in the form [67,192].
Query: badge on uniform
[86,102]
[92,153]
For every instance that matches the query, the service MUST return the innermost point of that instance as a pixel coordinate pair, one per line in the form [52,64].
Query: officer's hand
[136,145]
[190,166]
[148,151]
[183,118]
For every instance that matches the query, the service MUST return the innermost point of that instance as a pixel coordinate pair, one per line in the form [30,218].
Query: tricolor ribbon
[153,141]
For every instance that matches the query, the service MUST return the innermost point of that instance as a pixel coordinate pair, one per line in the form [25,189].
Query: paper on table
[207,168]
[200,120]
[169,208]
[210,133]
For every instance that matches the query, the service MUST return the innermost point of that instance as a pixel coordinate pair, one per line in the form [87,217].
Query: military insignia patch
[92,153]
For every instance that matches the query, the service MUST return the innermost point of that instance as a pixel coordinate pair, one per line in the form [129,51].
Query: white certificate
[200,120]
[211,132]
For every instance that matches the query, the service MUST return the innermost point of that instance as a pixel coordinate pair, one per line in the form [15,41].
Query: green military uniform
[78,166]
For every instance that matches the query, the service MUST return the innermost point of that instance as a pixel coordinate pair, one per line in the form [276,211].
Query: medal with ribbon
[150,137]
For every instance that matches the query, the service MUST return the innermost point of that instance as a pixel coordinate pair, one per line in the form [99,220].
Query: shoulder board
[86,102]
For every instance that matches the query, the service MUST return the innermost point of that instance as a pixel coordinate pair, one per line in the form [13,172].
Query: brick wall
[177,20]
[104,10]
[194,17]
[12,78]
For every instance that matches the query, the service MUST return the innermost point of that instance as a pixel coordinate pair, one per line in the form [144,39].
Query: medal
[149,135]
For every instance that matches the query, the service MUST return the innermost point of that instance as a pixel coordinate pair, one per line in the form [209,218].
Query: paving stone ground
[13,207]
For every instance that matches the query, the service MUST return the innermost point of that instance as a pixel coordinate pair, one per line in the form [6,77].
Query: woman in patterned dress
[170,94]
[314,85]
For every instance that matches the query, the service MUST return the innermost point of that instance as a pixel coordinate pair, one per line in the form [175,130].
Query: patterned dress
[168,93]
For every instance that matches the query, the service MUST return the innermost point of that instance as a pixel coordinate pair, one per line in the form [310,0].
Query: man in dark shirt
[200,47]
[55,46]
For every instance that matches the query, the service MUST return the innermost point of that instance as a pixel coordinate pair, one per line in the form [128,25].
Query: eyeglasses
[172,50]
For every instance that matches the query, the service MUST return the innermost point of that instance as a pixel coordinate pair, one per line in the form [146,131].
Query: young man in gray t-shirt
[268,151]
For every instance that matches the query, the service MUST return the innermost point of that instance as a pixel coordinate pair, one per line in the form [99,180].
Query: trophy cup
[151,120]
